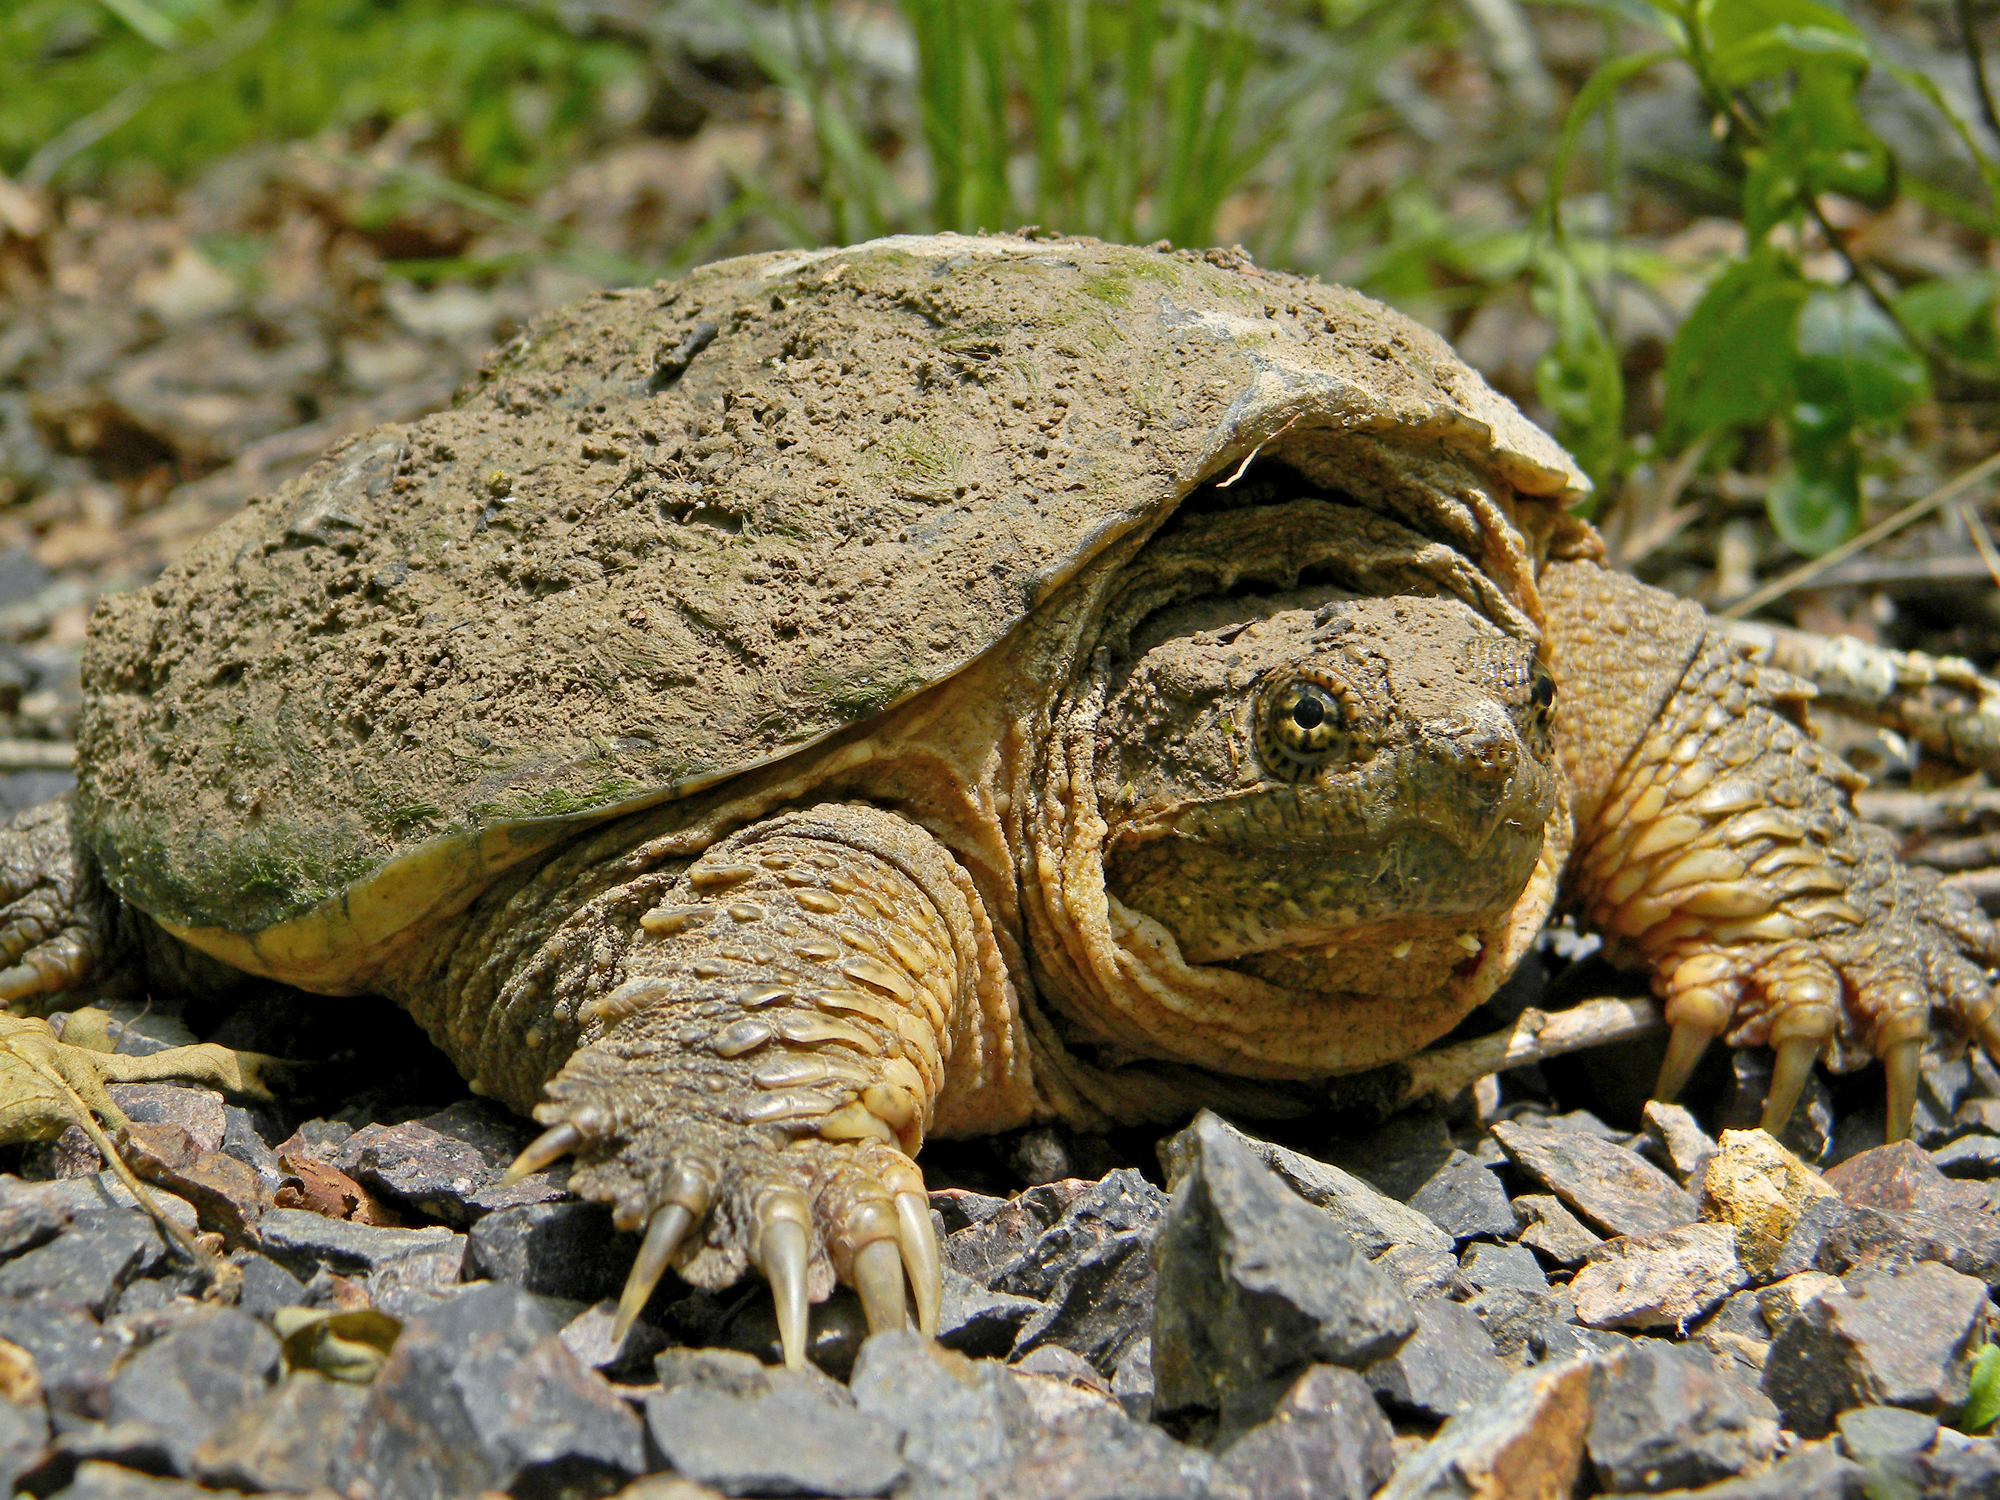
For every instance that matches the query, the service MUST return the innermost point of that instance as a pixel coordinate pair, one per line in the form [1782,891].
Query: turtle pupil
[1308,712]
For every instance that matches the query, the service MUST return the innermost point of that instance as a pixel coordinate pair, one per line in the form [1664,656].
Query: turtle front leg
[1717,841]
[55,933]
[756,1072]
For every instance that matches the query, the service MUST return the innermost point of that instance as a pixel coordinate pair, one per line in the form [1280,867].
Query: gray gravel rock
[285,1438]
[242,1140]
[986,1247]
[1442,1369]
[96,1480]
[1667,1278]
[200,1112]
[552,1249]
[1662,1418]
[1610,1188]
[303,1242]
[1899,1337]
[24,1441]
[418,1169]
[1962,1469]
[480,1393]
[1097,1453]
[1965,1238]
[960,1422]
[1132,1385]
[1552,1230]
[1328,1440]
[1974,1155]
[795,1437]
[73,1357]
[979,1322]
[89,1264]
[1898,1177]
[1890,1444]
[187,1383]
[1123,1204]
[1678,1140]
[1525,1439]
[267,1286]
[1465,1200]
[1255,1285]
[1103,1304]
[1808,1132]
[31,1214]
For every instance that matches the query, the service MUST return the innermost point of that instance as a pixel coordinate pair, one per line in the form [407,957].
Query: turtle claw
[784,1223]
[1900,1062]
[878,1277]
[922,1261]
[551,1145]
[1790,1069]
[663,1237]
[1685,1045]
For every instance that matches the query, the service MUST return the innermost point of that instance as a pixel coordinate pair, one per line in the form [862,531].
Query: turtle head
[1346,795]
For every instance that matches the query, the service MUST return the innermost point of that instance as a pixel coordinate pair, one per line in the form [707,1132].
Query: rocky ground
[1517,1300]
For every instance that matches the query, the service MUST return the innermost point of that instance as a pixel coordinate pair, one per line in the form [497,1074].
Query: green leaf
[1852,360]
[1982,1400]
[1956,310]
[1815,505]
[1731,362]
[1579,378]
[1752,39]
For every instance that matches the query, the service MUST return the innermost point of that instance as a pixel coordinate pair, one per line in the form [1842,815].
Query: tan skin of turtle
[1271,794]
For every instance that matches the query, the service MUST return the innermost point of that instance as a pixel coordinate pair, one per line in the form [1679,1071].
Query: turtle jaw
[1339,888]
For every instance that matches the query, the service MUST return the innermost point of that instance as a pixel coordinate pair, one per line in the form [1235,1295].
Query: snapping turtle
[940,684]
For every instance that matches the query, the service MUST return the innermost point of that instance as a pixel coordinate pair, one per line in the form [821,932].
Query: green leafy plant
[181,82]
[1130,119]
[1982,1400]
[1830,366]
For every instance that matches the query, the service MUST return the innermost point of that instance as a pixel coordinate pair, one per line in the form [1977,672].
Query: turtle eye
[1541,695]
[1300,726]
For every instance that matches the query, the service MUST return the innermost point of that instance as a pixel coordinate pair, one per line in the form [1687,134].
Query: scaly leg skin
[1717,842]
[53,935]
[755,1077]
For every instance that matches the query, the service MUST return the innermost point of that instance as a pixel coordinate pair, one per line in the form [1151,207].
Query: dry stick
[1443,1072]
[36,755]
[1982,539]
[1916,811]
[1975,55]
[1982,886]
[1944,494]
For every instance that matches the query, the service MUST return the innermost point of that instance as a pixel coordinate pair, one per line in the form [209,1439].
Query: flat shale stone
[1464,1199]
[303,1241]
[24,1441]
[73,1354]
[982,1323]
[1758,1186]
[1524,1442]
[960,1422]
[31,1214]
[1661,1418]
[1611,1188]
[187,1383]
[1375,1222]
[1814,1472]
[267,1286]
[1962,1469]
[1552,1230]
[1328,1440]
[1256,1284]
[89,1264]
[988,1246]
[200,1112]
[1970,1156]
[1890,1444]
[1103,1304]
[481,1394]
[1445,1367]
[1665,1279]
[792,1439]
[1888,1338]
[1398,1156]
[1099,1454]
[1966,1239]
[225,1194]
[285,1438]
[1123,1204]
[552,1249]
[1680,1141]
[1132,1382]
[95,1480]
[1898,1177]
[417,1167]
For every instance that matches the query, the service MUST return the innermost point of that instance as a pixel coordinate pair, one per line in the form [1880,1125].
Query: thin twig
[1944,494]
[1536,1035]
[1982,538]
[1977,58]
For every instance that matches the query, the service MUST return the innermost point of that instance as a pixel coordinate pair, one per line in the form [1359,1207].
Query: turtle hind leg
[56,923]
[761,1063]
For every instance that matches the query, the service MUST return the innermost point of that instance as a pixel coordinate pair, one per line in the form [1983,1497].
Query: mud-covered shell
[673,533]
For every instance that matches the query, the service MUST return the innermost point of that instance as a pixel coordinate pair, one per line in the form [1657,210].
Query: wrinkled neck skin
[1185,902]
